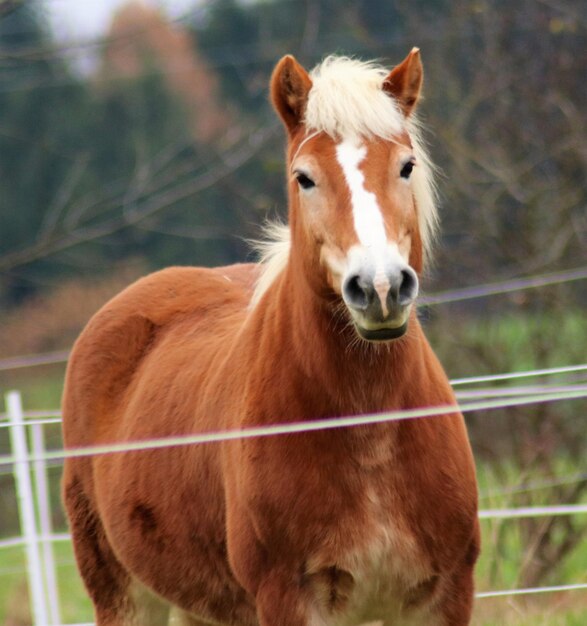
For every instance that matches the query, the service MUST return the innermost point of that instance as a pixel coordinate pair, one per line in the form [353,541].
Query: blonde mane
[347,100]
[273,253]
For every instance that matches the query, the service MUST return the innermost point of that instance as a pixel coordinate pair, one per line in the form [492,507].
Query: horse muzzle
[380,301]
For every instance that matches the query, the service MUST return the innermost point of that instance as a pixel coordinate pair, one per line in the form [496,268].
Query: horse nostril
[360,292]
[355,293]
[408,289]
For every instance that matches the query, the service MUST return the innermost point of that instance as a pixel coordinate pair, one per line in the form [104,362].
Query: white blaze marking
[366,212]
[367,215]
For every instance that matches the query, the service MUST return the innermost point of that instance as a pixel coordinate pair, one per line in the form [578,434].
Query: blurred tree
[508,130]
[172,126]
[96,171]
[505,104]
[39,100]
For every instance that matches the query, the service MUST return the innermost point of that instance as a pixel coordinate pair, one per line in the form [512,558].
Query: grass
[557,612]
[75,606]
[503,537]
[41,386]
[507,343]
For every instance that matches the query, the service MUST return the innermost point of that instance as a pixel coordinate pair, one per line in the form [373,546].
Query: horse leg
[106,581]
[279,602]
[458,604]
[287,599]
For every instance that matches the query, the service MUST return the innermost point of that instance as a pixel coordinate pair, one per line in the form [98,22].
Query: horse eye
[305,182]
[407,169]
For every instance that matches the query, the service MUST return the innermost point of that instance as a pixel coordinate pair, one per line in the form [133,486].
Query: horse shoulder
[122,333]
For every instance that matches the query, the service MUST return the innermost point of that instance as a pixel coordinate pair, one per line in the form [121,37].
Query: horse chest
[382,574]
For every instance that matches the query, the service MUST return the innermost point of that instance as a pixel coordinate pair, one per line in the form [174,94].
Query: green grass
[504,550]
[519,613]
[502,555]
[41,387]
[74,604]
[507,342]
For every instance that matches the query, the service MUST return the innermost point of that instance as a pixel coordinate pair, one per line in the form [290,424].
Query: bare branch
[147,207]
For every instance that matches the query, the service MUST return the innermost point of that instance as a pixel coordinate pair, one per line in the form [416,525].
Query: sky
[88,19]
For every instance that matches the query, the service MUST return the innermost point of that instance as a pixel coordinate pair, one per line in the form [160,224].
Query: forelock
[347,100]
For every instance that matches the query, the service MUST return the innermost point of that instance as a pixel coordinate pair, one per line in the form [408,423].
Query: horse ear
[405,81]
[290,85]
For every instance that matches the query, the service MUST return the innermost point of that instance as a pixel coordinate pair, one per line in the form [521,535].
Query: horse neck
[316,347]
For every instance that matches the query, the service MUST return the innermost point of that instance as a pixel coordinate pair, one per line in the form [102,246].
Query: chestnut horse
[375,523]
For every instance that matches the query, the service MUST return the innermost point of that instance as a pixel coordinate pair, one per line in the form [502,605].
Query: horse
[338,527]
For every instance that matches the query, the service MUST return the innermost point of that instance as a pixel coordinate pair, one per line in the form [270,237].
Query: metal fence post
[45,526]
[26,508]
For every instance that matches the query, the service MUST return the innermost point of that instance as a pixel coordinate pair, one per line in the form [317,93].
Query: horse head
[362,206]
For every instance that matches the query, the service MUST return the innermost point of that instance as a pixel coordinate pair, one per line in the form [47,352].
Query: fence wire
[443,297]
[293,428]
[519,396]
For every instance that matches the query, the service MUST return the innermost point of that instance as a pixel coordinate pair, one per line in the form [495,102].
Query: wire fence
[291,428]
[34,504]
[443,297]
[37,537]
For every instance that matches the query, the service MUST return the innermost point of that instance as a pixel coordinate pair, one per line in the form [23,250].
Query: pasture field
[507,343]
[73,601]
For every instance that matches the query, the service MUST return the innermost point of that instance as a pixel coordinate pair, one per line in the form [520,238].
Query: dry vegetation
[52,320]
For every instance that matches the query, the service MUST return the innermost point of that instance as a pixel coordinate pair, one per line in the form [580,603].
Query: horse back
[109,352]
